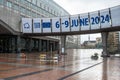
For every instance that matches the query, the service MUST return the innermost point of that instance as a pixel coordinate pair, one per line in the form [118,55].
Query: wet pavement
[79,69]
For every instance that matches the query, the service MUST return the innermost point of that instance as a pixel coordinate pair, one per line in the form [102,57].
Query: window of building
[1,1]
[29,0]
[9,4]
[33,7]
[33,14]
[40,4]
[28,12]
[23,10]
[54,13]
[51,10]
[16,7]
[34,2]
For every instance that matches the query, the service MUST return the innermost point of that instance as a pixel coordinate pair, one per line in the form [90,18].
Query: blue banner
[46,25]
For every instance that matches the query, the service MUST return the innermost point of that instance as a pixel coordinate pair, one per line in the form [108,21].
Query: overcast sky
[83,6]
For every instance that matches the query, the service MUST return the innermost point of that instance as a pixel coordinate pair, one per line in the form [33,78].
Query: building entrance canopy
[93,21]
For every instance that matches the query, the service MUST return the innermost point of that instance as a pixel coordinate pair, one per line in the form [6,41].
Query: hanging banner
[115,15]
[46,25]
[95,20]
[105,18]
[65,24]
[56,24]
[84,22]
[36,25]
[74,23]
[26,25]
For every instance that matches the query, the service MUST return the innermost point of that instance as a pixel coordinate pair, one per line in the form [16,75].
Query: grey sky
[84,6]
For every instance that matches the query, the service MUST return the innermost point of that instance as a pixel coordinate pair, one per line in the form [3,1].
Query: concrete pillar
[104,43]
[13,44]
[39,45]
[54,45]
[18,44]
[47,46]
[30,45]
[63,44]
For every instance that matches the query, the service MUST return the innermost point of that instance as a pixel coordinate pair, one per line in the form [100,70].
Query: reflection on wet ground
[75,66]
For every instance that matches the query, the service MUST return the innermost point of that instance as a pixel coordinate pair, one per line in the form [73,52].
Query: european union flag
[36,25]
[46,24]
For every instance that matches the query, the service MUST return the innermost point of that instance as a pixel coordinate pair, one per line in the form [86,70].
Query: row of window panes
[16,7]
[1,1]
[21,9]
[33,6]
[40,5]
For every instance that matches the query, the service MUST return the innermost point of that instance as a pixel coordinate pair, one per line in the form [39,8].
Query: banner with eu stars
[46,25]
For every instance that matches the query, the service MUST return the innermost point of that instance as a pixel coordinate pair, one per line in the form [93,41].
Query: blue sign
[46,25]
[37,25]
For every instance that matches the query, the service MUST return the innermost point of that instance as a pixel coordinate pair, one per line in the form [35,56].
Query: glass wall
[41,8]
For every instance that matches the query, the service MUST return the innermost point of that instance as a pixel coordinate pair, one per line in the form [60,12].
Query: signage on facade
[88,21]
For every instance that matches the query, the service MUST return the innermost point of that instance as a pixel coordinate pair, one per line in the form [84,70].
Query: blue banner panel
[115,15]
[94,20]
[36,25]
[84,22]
[26,25]
[75,26]
[46,25]
[65,24]
[56,24]
[105,18]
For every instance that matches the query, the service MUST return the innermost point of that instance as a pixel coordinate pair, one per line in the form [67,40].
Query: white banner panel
[84,22]
[105,18]
[94,20]
[36,25]
[74,23]
[26,25]
[65,24]
[46,25]
[115,15]
[56,24]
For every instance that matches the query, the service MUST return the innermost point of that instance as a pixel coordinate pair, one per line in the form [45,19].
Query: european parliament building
[11,13]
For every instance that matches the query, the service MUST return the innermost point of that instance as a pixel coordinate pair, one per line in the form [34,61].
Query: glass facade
[32,9]
[35,8]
